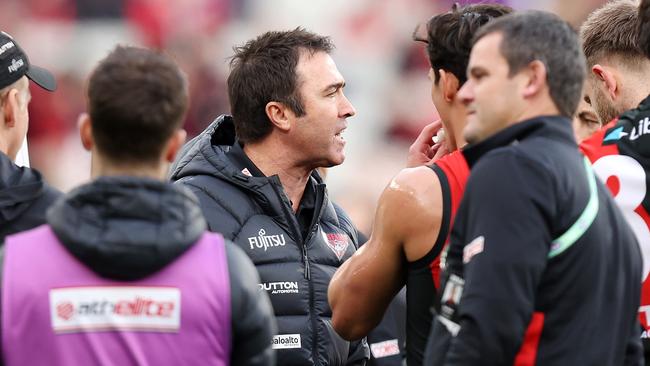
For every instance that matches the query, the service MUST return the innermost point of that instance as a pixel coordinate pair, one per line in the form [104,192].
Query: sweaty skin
[407,223]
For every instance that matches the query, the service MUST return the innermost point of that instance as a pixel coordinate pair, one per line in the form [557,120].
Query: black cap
[14,64]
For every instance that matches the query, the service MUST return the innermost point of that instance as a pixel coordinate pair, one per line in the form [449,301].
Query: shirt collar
[552,126]
[243,162]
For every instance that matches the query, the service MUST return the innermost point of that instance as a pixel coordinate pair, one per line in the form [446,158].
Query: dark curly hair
[264,70]
[449,36]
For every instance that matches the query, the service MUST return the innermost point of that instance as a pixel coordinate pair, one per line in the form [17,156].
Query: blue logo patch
[615,135]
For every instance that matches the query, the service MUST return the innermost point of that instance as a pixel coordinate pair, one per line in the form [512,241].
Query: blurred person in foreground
[254,174]
[585,121]
[24,195]
[542,267]
[125,272]
[616,42]
[416,210]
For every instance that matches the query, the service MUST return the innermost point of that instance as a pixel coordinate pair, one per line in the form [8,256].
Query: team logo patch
[85,309]
[385,349]
[286,341]
[337,242]
[473,248]
[615,134]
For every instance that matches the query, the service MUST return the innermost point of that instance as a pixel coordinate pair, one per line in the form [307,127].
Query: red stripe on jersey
[528,352]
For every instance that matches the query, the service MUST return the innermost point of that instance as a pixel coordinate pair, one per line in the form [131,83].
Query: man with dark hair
[585,120]
[616,39]
[125,271]
[254,175]
[415,211]
[24,195]
[541,267]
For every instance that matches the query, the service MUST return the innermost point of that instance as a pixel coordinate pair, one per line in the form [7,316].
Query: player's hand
[424,151]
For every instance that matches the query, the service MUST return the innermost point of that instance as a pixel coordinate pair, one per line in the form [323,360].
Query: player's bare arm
[406,226]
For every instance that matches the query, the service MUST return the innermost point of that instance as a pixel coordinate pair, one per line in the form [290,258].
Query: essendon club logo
[337,242]
[79,309]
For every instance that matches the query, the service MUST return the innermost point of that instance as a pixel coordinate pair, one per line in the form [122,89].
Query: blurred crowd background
[386,72]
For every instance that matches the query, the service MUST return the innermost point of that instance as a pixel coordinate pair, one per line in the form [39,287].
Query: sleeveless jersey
[620,154]
[423,277]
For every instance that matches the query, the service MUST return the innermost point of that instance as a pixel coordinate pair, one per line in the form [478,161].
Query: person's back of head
[263,70]
[611,31]
[610,40]
[137,99]
[449,36]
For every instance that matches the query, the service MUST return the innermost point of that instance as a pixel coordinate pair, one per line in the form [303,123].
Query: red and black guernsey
[424,274]
[620,154]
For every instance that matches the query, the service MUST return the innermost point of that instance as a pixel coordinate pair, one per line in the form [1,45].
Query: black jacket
[542,266]
[295,271]
[24,198]
[127,228]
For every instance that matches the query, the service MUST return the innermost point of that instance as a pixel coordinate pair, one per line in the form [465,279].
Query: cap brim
[41,77]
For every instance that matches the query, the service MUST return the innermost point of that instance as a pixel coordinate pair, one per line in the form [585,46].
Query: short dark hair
[539,35]
[612,30]
[644,27]
[136,99]
[264,70]
[449,36]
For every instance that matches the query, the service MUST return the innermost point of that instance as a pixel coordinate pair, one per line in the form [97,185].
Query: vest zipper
[312,316]
[306,260]
[320,199]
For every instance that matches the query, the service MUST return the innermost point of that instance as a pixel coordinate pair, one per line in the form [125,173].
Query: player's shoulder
[411,202]
[629,134]
[416,180]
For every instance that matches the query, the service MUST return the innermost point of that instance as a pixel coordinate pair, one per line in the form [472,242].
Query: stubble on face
[603,106]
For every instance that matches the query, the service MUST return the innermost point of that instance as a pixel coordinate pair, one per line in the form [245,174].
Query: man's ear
[607,79]
[535,78]
[174,145]
[11,108]
[279,115]
[85,131]
[449,84]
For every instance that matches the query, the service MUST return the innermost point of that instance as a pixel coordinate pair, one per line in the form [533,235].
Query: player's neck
[105,168]
[456,139]
[274,159]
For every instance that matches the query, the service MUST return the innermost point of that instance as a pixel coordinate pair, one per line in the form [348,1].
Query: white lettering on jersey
[632,182]
[132,308]
[642,128]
